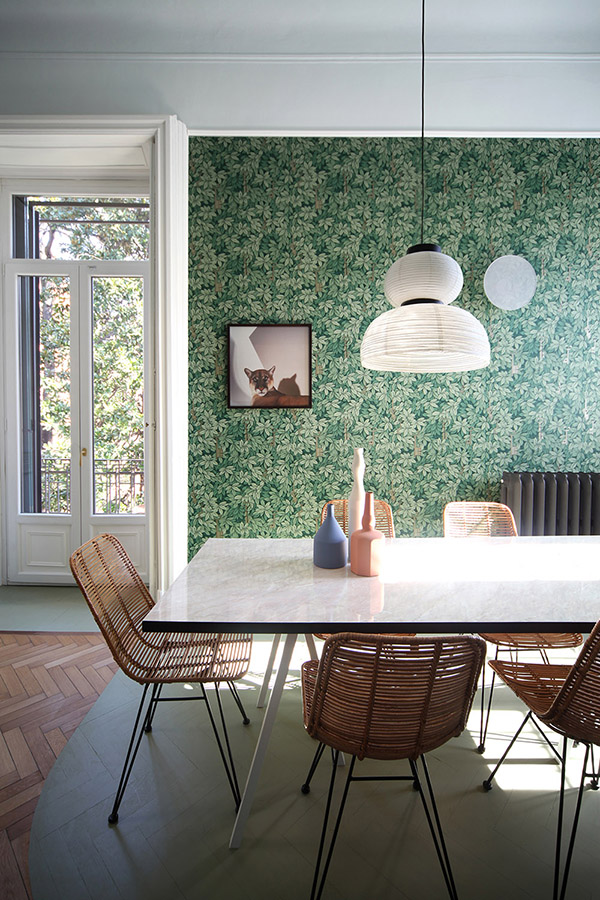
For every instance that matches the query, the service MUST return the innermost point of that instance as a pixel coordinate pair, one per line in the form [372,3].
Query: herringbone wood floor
[48,682]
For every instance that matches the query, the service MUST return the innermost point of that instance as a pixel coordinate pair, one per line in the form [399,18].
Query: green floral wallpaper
[303,230]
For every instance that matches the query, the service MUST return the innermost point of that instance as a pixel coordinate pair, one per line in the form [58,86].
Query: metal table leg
[263,741]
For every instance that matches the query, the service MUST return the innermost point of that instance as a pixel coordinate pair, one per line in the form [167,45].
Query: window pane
[45,394]
[118,402]
[81,228]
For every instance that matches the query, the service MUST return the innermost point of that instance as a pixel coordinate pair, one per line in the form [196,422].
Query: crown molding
[294,58]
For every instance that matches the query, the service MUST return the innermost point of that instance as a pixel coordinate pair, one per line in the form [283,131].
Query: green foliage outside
[117,335]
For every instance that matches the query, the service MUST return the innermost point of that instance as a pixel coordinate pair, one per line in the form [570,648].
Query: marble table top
[426,585]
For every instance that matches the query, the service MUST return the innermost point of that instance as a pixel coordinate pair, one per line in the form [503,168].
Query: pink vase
[366,544]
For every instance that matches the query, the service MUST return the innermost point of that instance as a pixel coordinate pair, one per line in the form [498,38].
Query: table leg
[268,672]
[310,643]
[263,741]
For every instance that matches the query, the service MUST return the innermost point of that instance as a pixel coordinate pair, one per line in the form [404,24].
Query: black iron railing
[118,486]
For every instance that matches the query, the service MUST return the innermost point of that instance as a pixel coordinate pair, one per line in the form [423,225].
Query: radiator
[553,502]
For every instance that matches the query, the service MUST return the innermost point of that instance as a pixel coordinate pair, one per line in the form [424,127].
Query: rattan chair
[475,519]
[388,698]
[384,522]
[119,600]
[567,700]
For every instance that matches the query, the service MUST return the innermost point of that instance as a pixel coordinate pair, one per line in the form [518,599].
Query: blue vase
[330,544]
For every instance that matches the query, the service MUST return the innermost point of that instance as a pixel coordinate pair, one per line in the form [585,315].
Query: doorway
[78,398]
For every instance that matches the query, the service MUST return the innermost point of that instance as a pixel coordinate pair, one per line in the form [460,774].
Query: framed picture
[269,366]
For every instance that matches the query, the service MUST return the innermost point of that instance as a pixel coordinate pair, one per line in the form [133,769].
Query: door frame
[118,154]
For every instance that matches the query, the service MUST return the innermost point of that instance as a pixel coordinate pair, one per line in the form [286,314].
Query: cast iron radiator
[553,502]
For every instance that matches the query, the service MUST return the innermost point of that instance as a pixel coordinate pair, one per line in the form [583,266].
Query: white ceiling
[300,26]
[308,66]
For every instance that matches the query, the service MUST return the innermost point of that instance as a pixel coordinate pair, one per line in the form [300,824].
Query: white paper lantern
[428,274]
[425,337]
[424,333]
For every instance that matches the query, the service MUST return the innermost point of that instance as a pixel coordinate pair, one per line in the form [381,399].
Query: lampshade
[425,272]
[424,333]
[426,337]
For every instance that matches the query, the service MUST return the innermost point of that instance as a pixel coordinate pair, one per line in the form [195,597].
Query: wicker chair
[119,600]
[384,522]
[474,519]
[388,698]
[567,700]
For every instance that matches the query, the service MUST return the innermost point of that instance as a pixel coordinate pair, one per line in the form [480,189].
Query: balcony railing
[118,486]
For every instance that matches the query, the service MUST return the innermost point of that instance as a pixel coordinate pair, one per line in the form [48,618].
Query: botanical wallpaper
[302,230]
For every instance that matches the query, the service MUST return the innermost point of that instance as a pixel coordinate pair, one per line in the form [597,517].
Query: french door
[77,412]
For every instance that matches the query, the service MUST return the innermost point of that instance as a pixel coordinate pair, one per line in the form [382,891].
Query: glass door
[113,406]
[74,354]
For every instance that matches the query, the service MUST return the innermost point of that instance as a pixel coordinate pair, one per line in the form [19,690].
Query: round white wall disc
[510,282]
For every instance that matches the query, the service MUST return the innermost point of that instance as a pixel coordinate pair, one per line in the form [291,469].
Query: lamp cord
[422,117]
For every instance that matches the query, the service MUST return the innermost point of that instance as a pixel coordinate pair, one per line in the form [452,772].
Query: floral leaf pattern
[303,230]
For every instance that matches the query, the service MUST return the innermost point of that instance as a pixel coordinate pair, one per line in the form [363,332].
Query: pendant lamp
[423,333]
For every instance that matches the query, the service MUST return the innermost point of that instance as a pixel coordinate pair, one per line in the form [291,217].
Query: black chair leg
[435,825]
[229,766]
[318,885]
[155,697]
[558,884]
[129,759]
[485,714]
[487,784]
[238,702]
[313,766]
[594,775]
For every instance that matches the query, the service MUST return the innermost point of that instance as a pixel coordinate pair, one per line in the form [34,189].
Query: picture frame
[269,366]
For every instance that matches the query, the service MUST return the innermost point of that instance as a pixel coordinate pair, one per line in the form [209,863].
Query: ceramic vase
[356,501]
[330,545]
[367,543]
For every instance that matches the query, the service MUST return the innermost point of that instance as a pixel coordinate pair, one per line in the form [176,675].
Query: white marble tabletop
[426,585]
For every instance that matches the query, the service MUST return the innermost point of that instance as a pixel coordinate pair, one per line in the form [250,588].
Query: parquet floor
[48,682]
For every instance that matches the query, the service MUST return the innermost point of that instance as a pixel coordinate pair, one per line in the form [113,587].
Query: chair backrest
[391,697]
[576,708]
[116,596]
[466,518]
[384,520]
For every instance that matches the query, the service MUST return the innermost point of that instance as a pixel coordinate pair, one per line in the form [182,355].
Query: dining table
[425,585]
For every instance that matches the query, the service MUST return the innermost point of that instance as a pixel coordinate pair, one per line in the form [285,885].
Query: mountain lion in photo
[264,392]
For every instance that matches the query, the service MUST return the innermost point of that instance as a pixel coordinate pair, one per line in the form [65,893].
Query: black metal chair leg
[595,773]
[313,766]
[435,826]
[231,775]
[561,804]
[487,784]
[483,727]
[317,895]
[129,761]
[565,877]
[238,702]
[227,744]
[535,722]
[156,691]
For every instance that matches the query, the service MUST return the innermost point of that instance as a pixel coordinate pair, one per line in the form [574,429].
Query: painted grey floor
[37,608]
[172,838]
